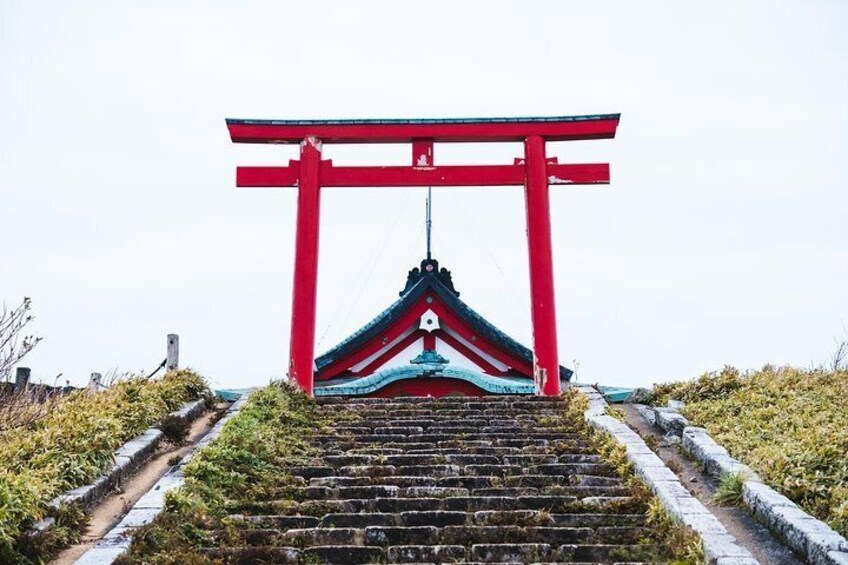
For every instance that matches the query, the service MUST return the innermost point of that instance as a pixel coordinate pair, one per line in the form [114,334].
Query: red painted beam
[469,353]
[374,131]
[386,356]
[430,341]
[454,175]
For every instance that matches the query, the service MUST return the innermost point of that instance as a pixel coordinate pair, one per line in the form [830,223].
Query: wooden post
[94,381]
[22,375]
[543,308]
[302,345]
[173,360]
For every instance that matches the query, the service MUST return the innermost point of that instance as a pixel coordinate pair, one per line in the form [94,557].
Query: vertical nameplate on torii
[535,172]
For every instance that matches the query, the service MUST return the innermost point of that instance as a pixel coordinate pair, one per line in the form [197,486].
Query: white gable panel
[498,365]
[457,359]
[365,362]
[404,356]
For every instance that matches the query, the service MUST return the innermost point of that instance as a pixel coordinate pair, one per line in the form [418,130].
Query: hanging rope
[369,274]
[483,244]
[157,369]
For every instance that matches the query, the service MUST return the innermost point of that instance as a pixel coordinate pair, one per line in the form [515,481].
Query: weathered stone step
[479,553]
[448,534]
[427,437]
[351,554]
[549,503]
[371,535]
[469,535]
[450,455]
[512,553]
[478,482]
[528,403]
[542,518]
[598,469]
[455,413]
[417,425]
[332,443]
[581,501]
[269,554]
[441,518]
[426,554]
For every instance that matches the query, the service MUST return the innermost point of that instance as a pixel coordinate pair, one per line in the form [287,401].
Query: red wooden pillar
[302,349]
[543,308]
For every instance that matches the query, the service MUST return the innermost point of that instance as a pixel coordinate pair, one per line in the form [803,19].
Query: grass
[68,446]
[246,463]
[789,425]
[729,491]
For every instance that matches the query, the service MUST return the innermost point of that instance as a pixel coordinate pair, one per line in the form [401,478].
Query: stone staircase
[409,480]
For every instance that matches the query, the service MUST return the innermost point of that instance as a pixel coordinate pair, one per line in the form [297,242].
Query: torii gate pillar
[535,172]
[305,287]
[540,252]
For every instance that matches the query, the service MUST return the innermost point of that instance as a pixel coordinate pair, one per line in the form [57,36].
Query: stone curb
[720,547]
[117,541]
[128,458]
[805,534]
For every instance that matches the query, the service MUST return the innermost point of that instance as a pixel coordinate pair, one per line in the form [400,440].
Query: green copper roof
[367,385]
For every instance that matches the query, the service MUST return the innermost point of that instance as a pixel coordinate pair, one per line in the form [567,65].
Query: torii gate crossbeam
[535,171]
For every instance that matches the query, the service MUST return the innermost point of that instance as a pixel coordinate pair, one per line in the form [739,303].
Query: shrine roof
[418,282]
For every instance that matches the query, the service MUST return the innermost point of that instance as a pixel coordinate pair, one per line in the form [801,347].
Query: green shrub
[789,425]
[72,444]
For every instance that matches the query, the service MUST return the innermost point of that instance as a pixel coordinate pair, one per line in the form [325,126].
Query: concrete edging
[720,547]
[128,459]
[118,540]
[805,534]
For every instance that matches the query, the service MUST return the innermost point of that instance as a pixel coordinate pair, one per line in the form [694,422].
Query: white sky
[722,238]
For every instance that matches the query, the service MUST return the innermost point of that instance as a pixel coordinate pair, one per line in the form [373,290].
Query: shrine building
[427,343]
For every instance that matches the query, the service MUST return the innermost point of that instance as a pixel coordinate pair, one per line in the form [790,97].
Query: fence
[95,382]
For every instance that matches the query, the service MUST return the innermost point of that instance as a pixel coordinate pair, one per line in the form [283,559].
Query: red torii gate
[535,172]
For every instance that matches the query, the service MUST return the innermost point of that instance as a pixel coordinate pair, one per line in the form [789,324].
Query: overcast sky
[723,238]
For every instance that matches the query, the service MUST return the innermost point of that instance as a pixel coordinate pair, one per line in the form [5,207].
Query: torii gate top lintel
[535,171]
[468,130]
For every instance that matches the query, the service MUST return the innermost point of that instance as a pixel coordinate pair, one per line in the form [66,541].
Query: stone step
[426,554]
[447,534]
[505,413]
[430,491]
[542,518]
[448,480]
[479,553]
[440,518]
[270,554]
[419,425]
[561,504]
[341,554]
[512,553]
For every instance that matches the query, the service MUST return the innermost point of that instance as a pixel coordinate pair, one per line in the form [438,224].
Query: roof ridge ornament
[429,269]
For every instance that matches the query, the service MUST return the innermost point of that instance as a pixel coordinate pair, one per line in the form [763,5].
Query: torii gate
[535,172]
